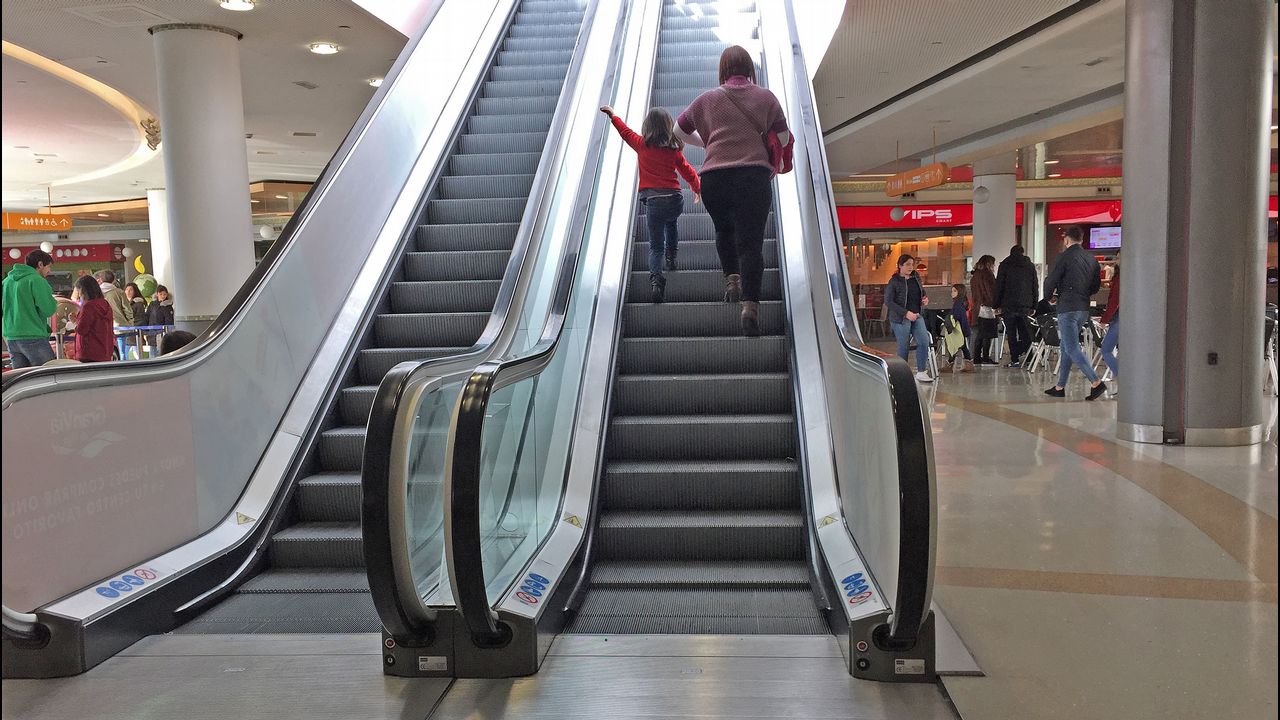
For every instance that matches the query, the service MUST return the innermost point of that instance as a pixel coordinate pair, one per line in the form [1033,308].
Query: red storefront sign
[1092,212]
[104,253]
[896,217]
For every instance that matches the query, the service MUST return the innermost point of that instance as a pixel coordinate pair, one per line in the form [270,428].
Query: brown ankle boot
[750,318]
[732,288]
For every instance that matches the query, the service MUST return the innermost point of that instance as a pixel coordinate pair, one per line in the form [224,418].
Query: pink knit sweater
[732,139]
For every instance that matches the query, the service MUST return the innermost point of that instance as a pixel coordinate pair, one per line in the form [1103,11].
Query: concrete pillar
[1198,86]
[205,164]
[161,253]
[994,206]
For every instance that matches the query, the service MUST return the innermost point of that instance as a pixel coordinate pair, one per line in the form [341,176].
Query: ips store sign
[896,217]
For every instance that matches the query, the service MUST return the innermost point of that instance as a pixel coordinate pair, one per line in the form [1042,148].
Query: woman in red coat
[95,334]
[982,299]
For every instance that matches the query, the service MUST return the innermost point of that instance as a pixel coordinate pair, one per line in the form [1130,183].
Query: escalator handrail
[384,473]
[463,533]
[915,481]
[26,628]
[212,337]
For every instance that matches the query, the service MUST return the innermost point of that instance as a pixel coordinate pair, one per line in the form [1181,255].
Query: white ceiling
[1081,56]
[883,47]
[273,56]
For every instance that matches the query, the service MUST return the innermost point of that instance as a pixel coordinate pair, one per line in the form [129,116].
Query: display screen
[1104,237]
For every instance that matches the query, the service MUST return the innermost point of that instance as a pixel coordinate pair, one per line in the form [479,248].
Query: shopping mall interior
[356,364]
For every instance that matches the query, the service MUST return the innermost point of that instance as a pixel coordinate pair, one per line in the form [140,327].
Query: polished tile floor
[1093,578]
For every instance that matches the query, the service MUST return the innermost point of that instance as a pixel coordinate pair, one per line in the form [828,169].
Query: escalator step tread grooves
[315,579]
[701,526]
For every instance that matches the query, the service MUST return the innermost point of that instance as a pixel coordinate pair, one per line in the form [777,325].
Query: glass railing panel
[424,506]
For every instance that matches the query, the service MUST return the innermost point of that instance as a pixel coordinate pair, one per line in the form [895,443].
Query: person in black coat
[1017,290]
[1075,277]
[905,297]
[159,312]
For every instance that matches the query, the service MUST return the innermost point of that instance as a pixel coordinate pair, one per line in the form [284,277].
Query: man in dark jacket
[1075,277]
[905,298]
[1017,291]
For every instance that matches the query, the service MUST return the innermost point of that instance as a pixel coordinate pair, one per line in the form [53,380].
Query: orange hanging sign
[916,179]
[35,222]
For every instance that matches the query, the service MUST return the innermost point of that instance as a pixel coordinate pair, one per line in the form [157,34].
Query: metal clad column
[1197,114]
[994,207]
[205,164]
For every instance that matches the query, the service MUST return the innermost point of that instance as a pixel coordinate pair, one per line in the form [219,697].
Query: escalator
[647,470]
[438,305]
[455,168]
[701,526]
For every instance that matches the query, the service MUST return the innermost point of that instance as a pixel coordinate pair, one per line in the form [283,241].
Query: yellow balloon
[137,265]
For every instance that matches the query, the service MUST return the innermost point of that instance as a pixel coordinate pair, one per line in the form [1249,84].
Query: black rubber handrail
[391,580]
[915,485]
[462,483]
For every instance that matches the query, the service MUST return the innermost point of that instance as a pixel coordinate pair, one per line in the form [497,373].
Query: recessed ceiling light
[323,48]
[237,5]
[1055,174]
[103,215]
[1052,162]
[255,201]
[282,197]
[377,82]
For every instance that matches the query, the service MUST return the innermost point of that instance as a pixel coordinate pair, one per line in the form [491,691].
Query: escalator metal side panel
[89,626]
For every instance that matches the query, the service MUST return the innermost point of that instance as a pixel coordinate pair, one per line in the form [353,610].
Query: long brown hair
[986,262]
[962,293]
[735,60]
[659,130]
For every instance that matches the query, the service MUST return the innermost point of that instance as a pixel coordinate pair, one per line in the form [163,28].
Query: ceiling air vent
[121,15]
[297,133]
[305,84]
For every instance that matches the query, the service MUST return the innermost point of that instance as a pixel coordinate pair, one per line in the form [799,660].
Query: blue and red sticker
[531,590]
[126,583]
[856,588]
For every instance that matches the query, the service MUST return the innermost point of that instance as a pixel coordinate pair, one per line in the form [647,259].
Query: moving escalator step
[701,485]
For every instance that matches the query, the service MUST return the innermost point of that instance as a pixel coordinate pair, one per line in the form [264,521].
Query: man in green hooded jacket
[28,305]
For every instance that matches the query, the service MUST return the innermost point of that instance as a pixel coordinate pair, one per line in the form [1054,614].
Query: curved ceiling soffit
[143,120]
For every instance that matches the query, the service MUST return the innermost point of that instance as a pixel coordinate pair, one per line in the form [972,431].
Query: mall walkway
[1093,578]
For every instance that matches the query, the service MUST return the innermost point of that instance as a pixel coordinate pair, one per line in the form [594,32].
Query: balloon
[267,232]
[137,264]
[146,283]
[15,253]
[46,246]
[897,214]
[127,252]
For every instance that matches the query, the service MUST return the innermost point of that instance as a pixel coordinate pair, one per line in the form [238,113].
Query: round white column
[161,251]
[206,167]
[994,207]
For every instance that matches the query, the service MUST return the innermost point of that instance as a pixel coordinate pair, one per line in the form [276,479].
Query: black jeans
[1018,331]
[739,201]
[987,331]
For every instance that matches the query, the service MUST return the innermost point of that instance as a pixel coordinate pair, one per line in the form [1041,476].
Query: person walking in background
[1017,290]
[28,303]
[960,313]
[1111,318]
[137,303]
[95,337]
[905,298]
[731,122]
[661,158]
[121,308]
[982,313]
[1075,277]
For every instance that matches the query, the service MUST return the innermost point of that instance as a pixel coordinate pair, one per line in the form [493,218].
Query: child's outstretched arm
[688,173]
[629,136]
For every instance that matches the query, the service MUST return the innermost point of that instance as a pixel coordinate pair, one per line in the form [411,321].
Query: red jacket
[95,335]
[658,166]
[1113,300]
